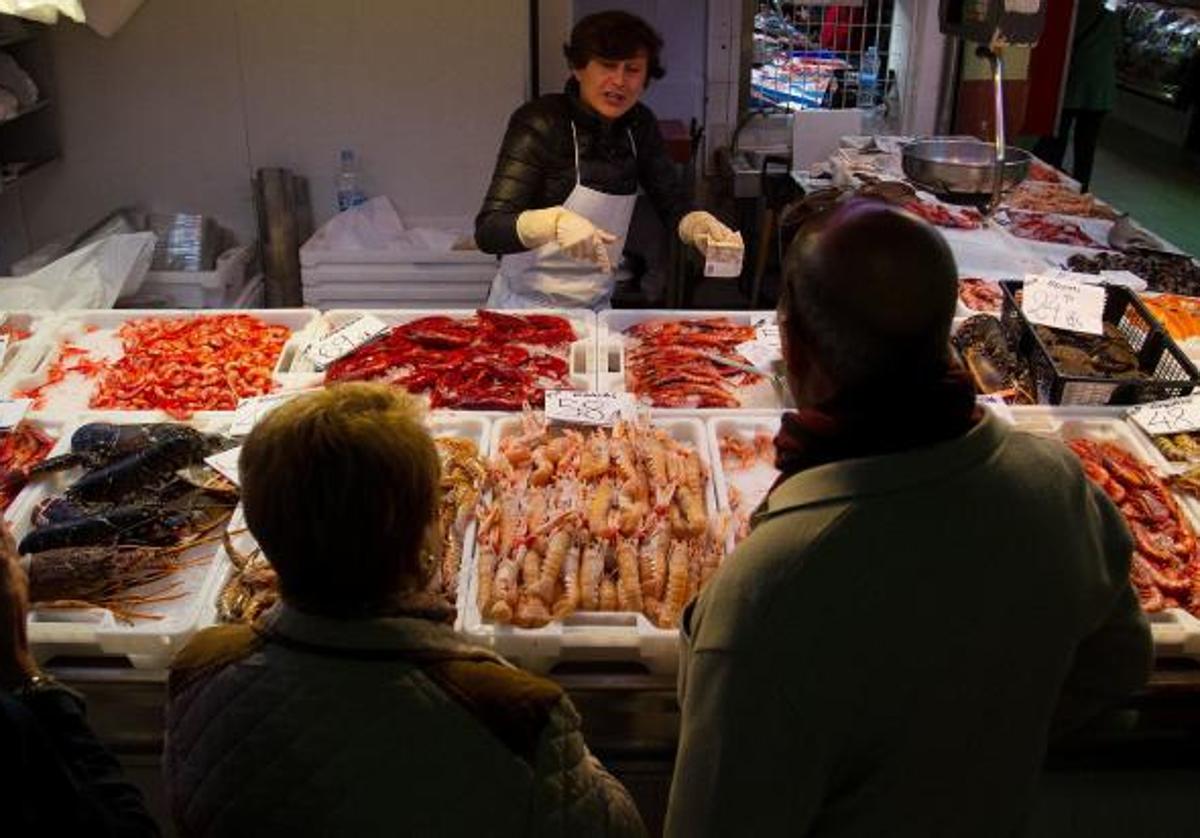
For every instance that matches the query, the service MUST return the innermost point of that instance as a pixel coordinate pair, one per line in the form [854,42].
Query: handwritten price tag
[762,355]
[251,411]
[1064,304]
[1172,416]
[343,341]
[226,464]
[573,407]
[12,411]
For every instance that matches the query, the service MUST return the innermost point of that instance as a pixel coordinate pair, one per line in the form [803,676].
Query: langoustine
[1165,567]
[604,536]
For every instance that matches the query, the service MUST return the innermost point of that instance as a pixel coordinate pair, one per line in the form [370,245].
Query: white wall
[177,110]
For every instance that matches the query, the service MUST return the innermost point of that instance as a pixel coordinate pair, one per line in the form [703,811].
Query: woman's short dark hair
[616,36]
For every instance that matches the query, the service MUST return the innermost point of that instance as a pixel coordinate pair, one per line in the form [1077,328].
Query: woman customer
[569,169]
[355,709]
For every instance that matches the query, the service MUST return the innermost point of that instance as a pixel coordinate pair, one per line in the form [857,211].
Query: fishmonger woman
[569,170]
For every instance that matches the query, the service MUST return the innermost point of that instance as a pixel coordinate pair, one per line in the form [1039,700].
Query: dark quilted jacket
[536,165]
[323,731]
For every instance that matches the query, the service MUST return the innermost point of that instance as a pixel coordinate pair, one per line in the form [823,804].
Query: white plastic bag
[91,277]
[375,225]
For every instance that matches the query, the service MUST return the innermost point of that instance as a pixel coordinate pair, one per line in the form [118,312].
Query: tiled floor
[1156,183]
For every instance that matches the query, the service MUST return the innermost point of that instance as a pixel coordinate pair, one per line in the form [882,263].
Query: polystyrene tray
[612,324]
[53,428]
[1176,632]
[581,355]
[96,330]
[95,632]
[21,356]
[753,484]
[613,637]
[473,426]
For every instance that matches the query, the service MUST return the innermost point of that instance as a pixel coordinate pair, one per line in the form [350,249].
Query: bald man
[926,596]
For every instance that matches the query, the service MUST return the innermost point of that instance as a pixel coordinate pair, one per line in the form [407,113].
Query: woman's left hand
[699,228]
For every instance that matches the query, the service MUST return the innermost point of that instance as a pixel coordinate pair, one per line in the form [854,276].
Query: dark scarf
[875,421]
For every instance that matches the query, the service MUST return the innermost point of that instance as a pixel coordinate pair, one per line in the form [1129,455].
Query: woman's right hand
[575,235]
[16,663]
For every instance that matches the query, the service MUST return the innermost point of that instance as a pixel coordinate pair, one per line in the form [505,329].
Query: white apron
[546,278]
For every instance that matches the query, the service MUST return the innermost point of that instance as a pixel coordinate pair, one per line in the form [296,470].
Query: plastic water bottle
[348,192]
[868,78]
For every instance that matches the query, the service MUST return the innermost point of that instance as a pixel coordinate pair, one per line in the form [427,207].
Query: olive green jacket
[889,650]
[1092,75]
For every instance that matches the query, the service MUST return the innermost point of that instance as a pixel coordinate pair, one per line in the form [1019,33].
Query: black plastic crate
[1169,371]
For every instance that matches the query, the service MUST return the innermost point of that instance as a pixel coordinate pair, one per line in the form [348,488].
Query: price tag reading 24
[1064,304]
[1172,416]
[345,340]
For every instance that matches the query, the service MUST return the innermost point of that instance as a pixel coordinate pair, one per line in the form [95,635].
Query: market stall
[151,400]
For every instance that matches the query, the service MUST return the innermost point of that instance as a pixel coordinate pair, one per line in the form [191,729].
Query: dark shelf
[40,104]
[10,183]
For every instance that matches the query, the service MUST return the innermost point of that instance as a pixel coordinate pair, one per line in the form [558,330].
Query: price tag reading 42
[573,407]
[341,342]
[1172,416]
[1064,304]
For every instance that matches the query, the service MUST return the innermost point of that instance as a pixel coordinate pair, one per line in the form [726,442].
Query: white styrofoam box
[444,289]
[21,356]
[752,484]
[581,355]
[53,428]
[615,637]
[1176,632]
[611,354]
[96,330]
[197,289]
[398,277]
[989,253]
[147,644]
[817,133]
[442,423]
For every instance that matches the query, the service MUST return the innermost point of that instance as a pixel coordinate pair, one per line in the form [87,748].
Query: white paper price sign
[762,355]
[1063,304]
[341,342]
[226,464]
[12,411]
[574,407]
[251,411]
[1172,416]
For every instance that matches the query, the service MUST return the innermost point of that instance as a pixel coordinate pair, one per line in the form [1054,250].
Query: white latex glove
[699,228]
[575,235]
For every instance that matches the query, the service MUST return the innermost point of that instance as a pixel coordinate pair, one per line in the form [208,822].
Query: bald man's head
[870,291]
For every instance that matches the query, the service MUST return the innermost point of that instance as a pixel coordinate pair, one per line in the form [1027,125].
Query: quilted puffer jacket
[536,165]
[310,726]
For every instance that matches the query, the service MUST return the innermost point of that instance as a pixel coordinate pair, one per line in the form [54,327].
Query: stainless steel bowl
[961,167]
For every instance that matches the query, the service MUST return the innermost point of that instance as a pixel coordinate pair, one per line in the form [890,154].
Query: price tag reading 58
[345,340]
[1063,304]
